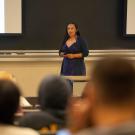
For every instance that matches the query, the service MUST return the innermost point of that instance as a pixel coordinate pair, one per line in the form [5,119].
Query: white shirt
[13,130]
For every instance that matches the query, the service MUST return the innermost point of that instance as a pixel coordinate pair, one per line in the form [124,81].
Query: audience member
[9,104]
[54,93]
[4,75]
[110,100]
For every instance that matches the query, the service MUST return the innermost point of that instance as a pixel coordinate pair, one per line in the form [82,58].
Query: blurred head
[9,101]
[113,80]
[4,75]
[54,93]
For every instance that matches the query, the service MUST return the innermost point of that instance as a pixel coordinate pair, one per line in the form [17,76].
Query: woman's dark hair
[66,36]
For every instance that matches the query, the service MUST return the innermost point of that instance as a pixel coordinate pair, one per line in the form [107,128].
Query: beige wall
[30,73]
[30,68]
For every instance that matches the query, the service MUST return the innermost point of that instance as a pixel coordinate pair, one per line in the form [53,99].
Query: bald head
[4,75]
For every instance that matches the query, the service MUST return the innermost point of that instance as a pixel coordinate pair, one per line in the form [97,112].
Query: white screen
[2,18]
[130,29]
[10,16]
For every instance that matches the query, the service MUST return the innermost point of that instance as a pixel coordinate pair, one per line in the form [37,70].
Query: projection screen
[130,17]
[10,16]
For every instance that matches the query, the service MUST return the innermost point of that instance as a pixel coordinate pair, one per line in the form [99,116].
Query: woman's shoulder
[81,39]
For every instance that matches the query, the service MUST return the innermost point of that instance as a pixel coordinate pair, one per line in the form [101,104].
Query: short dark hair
[115,78]
[9,101]
[54,93]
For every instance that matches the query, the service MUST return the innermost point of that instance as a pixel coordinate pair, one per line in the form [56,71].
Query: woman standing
[73,51]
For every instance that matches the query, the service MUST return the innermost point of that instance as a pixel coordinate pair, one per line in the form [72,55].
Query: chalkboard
[44,21]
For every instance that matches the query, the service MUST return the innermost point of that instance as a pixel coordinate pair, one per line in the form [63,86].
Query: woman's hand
[78,113]
[71,56]
[61,54]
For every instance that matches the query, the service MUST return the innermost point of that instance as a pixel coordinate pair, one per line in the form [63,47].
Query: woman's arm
[78,55]
[61,54]
[72,56]
[61,51]
[84,47]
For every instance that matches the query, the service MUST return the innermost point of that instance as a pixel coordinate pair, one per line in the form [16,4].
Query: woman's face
[71,29]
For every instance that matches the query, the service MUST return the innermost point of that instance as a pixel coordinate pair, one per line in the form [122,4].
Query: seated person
[8,76]
[108,102]
[9,104]
[54,93]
